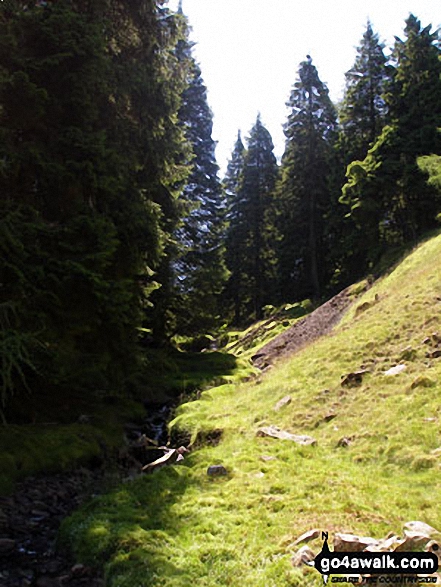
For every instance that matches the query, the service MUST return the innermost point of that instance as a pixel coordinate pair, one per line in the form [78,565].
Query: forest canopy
[117,234]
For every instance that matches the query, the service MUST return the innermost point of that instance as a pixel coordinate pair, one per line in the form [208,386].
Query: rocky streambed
[31,517]
[29,522]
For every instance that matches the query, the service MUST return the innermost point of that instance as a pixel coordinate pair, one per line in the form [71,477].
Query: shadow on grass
[133,531]
[172,374]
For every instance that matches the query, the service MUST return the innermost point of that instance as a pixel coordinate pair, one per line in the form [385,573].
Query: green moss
[30,449]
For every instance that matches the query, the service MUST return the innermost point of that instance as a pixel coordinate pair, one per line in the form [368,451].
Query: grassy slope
[180,528]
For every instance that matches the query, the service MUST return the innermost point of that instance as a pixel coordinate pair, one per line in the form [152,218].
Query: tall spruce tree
[199,268]
[250,250]
[303,192]
[363,111]
[89,95]
[363,114]
[387,193]
[235,224]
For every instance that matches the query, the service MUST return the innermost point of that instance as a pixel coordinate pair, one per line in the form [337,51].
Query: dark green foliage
[363,111]
[232,292]
[303,191]
[250,234]
[199,269]
[387,193]
[89,173]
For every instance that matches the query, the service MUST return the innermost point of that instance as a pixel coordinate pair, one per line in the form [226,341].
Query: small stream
[30,518]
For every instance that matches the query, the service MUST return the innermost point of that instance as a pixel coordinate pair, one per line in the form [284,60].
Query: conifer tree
[250,233]
[303,192]
[363,114]
[200,270]
[387,192]
[89,168]
[235,230]
[363,111]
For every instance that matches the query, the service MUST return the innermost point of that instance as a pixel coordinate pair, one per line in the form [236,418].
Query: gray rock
[79,570]
[396,370]
[352,543]
[285,401]
[353,379]
[275,432]
[307,536]
[420,528]
[217,471]
[391,543]
[303,556]
[344,442]
[416,536]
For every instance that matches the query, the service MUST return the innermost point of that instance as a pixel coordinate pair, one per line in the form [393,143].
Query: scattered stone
[436,354]
[416,536]
[352,543]
[353,379]
[308,536]
[386,545]
[285,401]
[303,556]
[330,416]
[395,370]
[436,452]
[435,547]
[344,442]
[33,514]
[267,458]
[275,432]
[217,471]
[433,339]
[78,570]
[421,528]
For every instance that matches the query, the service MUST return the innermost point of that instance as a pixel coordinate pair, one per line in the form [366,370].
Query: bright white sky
[249,52]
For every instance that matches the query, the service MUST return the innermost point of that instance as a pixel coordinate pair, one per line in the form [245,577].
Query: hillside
[375,464]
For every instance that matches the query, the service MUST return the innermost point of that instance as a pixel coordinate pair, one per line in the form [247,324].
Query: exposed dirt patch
[305,331]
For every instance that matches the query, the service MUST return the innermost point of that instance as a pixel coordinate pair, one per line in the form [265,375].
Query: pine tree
[235,230]
[363,111]
[250,233]
[363,114]
[303,188]
[89,156]
[388,194]
[200,271]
